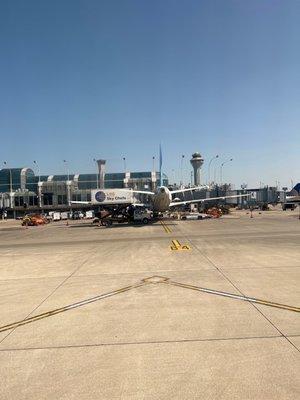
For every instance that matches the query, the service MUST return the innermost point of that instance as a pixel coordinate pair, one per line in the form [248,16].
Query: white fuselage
[162,199]
[292,199]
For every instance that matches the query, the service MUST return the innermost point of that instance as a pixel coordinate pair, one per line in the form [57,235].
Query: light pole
[98,177]
[215,174]
[10,185]
[221,169]
[39,183]
[68,183]
[181,170]
[38,169]
[125,168]
[174,176]
[10,176]
[209,164]
[67,167]
[153,164]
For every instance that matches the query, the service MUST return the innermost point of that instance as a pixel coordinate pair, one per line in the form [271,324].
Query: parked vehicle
[89,214]
[77,215]
[34,220]
[289,206]
[195,216]
[123,215]
[56,216]
[141,215]
[117,218]
[64,215]
[214,212]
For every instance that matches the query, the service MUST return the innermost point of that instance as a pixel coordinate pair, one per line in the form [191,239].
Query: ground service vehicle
[89,214]
[123,214]
[195,216]
[64,215]
[141,215]
[56,216]
[34,220]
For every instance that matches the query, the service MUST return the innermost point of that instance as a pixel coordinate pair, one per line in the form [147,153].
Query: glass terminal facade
[21,189]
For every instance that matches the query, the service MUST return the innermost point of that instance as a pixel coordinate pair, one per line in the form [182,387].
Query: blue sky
[108,79]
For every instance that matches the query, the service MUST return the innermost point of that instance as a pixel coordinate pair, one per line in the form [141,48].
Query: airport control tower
[197,162]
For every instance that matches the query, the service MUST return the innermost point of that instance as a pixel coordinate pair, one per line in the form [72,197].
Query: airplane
[160,201]
[294,195]
[162,198]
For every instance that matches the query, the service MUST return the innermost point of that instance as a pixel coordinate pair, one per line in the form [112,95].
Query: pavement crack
[150,342]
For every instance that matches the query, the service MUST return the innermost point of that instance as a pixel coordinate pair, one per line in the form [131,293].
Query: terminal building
[21,189]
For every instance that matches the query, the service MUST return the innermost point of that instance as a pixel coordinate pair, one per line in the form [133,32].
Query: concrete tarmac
[155,340]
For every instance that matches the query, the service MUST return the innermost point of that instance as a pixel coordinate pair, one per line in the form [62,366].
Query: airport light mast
[181,170]
[10,185]
[38,169]
[67,167]
[68,182]
[10,177]
[209,164]
[221,169]
[39,183]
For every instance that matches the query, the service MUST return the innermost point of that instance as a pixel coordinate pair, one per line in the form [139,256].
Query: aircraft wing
[138,191]
[189,189]
[107,205]
[180,203]
[81,202]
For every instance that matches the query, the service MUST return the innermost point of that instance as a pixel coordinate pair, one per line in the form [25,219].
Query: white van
[89,214]
[56,216]
[64,215]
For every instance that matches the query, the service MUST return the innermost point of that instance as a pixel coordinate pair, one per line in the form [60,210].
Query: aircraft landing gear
[107,223]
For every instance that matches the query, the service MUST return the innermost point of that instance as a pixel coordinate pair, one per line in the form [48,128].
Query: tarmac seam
[60,285]
[154,238]
[241,292]
[155,279]
[257,309]
[138,273]
[143,343]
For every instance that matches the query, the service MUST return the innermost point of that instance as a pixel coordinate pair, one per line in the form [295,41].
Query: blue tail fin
[297,188]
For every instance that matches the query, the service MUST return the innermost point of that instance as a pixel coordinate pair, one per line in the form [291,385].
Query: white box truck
[56,216]
[64,215]
[89,214]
